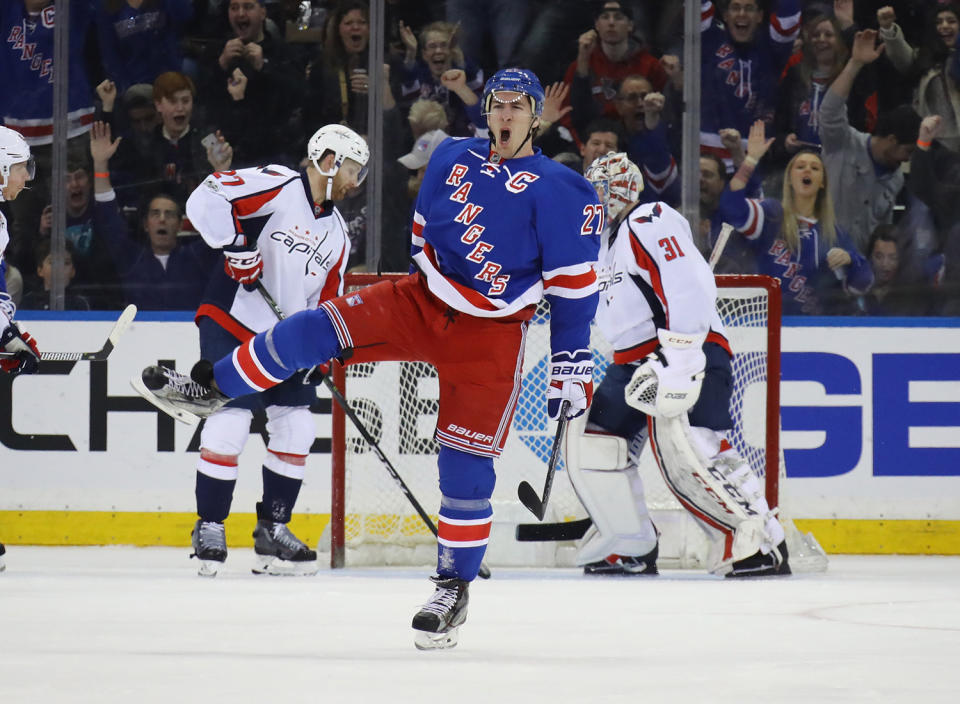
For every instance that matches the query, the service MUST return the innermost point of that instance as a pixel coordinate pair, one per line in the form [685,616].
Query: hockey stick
[365,434]
[526,493]
[119,327]
[725,230]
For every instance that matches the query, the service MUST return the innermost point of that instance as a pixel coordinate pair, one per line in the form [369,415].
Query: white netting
[398,403]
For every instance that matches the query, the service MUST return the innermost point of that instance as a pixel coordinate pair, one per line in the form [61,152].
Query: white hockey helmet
[617,180]
[344,143]
[14,150]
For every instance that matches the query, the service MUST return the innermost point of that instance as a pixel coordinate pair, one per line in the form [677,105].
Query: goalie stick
[119,327]
[526,493]
[365,434]
[574,530]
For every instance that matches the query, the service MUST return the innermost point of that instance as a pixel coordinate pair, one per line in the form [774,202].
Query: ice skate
[773,564]
[625,566]
[3,551]
[437,623]
[185,398]
[209,546]
[280,552]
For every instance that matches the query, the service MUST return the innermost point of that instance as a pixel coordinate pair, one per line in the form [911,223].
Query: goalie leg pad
[691,464]
[609,487]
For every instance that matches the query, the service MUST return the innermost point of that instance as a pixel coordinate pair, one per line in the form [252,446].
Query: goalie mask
[14,150]
[617,181]
[345,144]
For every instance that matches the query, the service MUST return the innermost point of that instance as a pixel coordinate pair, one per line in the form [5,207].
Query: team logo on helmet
[514,80]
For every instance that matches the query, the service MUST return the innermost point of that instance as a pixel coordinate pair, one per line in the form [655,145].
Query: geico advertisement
[870,424]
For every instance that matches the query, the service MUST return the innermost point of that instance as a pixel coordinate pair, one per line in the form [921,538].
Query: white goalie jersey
[304,247]
[652,277]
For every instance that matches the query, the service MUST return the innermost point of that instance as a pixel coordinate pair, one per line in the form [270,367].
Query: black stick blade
[529,498]
[537,532]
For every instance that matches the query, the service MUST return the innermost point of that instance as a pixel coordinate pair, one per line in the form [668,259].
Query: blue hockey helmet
[514,80]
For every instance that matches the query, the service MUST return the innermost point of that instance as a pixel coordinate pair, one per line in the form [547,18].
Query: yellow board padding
[838,536]
[883,537]
[135,528]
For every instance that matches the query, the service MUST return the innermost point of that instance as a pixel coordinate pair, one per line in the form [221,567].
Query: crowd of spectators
[830,129]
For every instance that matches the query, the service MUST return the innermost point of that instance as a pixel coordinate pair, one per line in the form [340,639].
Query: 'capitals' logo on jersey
[300,243]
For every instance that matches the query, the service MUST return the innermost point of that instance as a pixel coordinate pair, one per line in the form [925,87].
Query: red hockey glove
[243,266]
[27,359]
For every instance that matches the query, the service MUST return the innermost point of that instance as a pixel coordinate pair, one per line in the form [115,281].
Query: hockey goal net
[373,523]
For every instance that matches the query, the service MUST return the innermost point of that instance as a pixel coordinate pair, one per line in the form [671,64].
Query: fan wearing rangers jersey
[498,226]
[278,228]
[16,168]
[671,366]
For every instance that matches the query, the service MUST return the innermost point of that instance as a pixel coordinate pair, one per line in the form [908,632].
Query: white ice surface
[137,625]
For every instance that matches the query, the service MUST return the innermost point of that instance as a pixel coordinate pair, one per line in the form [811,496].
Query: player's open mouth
[504,136]
[806,180]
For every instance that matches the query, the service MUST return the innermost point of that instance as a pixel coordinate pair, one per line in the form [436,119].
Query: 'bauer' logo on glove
[571,379]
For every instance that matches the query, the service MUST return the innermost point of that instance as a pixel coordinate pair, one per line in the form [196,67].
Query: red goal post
[372,522]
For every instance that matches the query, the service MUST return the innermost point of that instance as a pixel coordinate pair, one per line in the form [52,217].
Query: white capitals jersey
[304,248]
[652,276]
[5,320]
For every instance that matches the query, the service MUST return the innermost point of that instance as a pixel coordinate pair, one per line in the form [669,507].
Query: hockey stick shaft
[119,327]
[365,434]
[725,230]
[526,493]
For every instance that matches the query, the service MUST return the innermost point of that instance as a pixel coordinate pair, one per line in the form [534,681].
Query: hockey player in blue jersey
[497,227]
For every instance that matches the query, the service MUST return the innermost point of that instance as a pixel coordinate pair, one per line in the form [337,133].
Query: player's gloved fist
[243,265]
[668,382]
[24,347]
[571,379]
[315,375]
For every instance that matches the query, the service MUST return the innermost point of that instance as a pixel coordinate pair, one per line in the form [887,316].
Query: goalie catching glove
[24,347]
[571,379]
[668,382]
[243,265]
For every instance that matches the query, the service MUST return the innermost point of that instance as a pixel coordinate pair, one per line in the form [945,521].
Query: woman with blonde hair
[796,239]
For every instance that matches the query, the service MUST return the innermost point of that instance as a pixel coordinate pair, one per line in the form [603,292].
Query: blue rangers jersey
[492,237]
[26,63]
[803,274]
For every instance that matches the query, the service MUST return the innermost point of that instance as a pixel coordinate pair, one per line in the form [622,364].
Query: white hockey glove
[243,265]
[668,382]
[8,309]
[571,379]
